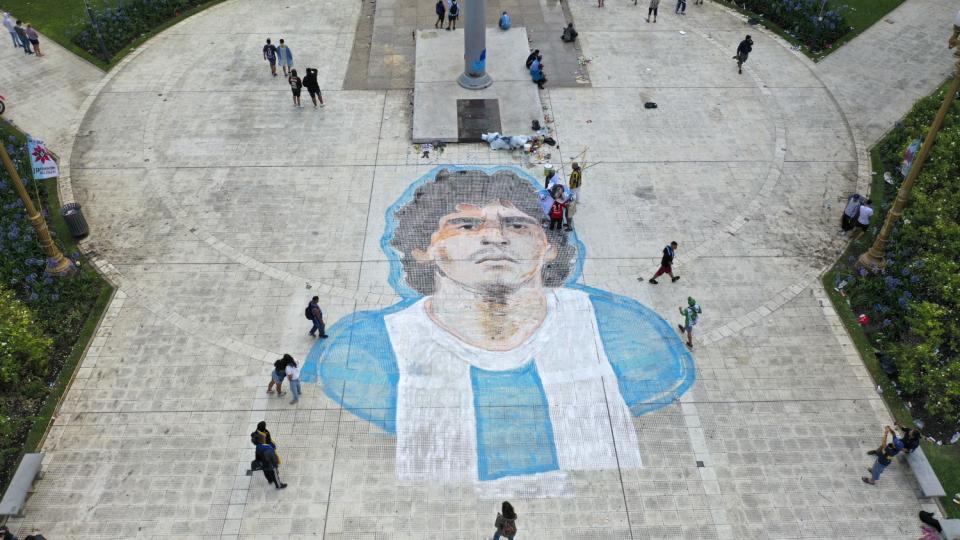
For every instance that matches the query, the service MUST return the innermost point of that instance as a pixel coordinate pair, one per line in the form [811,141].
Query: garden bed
[46,321]
[911,343]
[65,21]
[797,20]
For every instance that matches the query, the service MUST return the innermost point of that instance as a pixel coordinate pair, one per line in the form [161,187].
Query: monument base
[443,110]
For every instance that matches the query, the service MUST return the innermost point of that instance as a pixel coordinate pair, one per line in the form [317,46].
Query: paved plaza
[219,209]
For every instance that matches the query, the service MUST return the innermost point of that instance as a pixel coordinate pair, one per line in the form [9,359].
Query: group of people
[559,201]
[451,12]
[25,37]
[534,64]
[655,6]
[885,453]
[281,54]
[856,214]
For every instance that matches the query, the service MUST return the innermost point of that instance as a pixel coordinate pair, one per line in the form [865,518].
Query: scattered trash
[535,125]
[426,148]
[863,319]
[589,121]
[503,142]
[888,178]
[682,33]
[649,105]
[955,438]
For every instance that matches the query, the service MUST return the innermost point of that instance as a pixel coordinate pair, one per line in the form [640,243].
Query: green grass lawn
[60,20]
[945,459]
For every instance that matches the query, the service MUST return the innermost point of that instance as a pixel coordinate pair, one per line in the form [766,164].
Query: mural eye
[467,227]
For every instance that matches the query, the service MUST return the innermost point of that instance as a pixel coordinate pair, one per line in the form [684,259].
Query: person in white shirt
[863,218]
[293,375]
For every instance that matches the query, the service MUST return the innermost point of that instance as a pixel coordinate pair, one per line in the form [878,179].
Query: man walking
[314,313]
[691,314]
[681,7]
[452,15]
[22,36]
[743,51]
[652,10]
[441,9]
[8,24]
[267,457]
[666,263]
[270,55]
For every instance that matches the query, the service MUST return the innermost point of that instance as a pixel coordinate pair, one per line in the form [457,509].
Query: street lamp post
[874,257]
[475,76]
[57,264]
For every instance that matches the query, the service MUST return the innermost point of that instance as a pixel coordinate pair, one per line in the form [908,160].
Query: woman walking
[285,56]
[652,10]
[295,85]
[506,522]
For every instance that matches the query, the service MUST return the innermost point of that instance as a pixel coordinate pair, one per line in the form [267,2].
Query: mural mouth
[496,258]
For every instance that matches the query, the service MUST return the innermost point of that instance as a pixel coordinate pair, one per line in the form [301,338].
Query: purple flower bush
[802,19]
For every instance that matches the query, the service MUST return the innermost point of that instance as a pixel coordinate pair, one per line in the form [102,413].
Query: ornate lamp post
[873,258]
[57,264]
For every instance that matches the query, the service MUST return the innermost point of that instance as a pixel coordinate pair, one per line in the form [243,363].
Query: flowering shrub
[123,24]
[801,19]
[915,302]
[40,316]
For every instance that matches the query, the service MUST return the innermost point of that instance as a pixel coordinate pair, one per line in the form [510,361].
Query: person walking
[266,456]
[652,9]
[452,15]
[576,178]
[314,314]
[599,3]
[22,36]
[691,314]
[9,24]
[441,9]
[506,522]
[666,263]
[270,55]
[743,51]
[850,211]
[285,57]
[571,210]
[681,7]
[34,38]
[295,86]
[262,433]
[278,374]
[313,87]
[293,374]
[885,455]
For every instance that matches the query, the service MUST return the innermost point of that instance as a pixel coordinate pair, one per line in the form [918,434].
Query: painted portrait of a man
[496,363]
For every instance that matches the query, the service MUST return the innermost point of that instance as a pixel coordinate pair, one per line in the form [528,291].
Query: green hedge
[127,22]
[913,304]
[44,315]
[818,24]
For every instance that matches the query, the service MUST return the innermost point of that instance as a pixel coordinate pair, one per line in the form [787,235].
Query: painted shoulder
[653,366]
[358,368]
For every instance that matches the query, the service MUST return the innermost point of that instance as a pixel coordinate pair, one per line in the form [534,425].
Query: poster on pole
[908,156]
[42,163]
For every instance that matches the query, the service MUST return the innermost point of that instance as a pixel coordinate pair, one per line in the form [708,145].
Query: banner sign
[41,162]
[908,156]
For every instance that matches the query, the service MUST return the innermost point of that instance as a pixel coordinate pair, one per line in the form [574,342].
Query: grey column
[474,75]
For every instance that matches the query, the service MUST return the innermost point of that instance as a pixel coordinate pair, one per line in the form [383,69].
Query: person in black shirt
[441,13]
[666,263]
[269,462]
[279,374]
[743,51]
[295,85]
[270,55]
[313,87]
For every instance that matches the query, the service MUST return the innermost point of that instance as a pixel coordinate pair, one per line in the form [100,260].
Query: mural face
[497,368]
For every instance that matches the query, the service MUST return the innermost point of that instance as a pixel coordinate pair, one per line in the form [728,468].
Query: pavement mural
[497,363]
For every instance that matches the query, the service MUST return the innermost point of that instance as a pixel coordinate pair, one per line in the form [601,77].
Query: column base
[471,82]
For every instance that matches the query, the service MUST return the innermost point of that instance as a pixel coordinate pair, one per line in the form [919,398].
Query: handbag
[256,465]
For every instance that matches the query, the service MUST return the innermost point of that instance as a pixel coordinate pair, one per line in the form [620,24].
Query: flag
[42,163]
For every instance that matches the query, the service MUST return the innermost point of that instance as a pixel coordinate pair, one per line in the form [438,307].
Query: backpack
[454,9]
[308,313]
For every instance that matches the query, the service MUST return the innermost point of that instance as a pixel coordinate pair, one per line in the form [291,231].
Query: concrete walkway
[218,208]
[45,94]
[904,57]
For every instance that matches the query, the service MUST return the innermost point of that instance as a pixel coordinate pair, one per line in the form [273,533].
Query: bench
[929,483]
[951,528]
[15,498]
